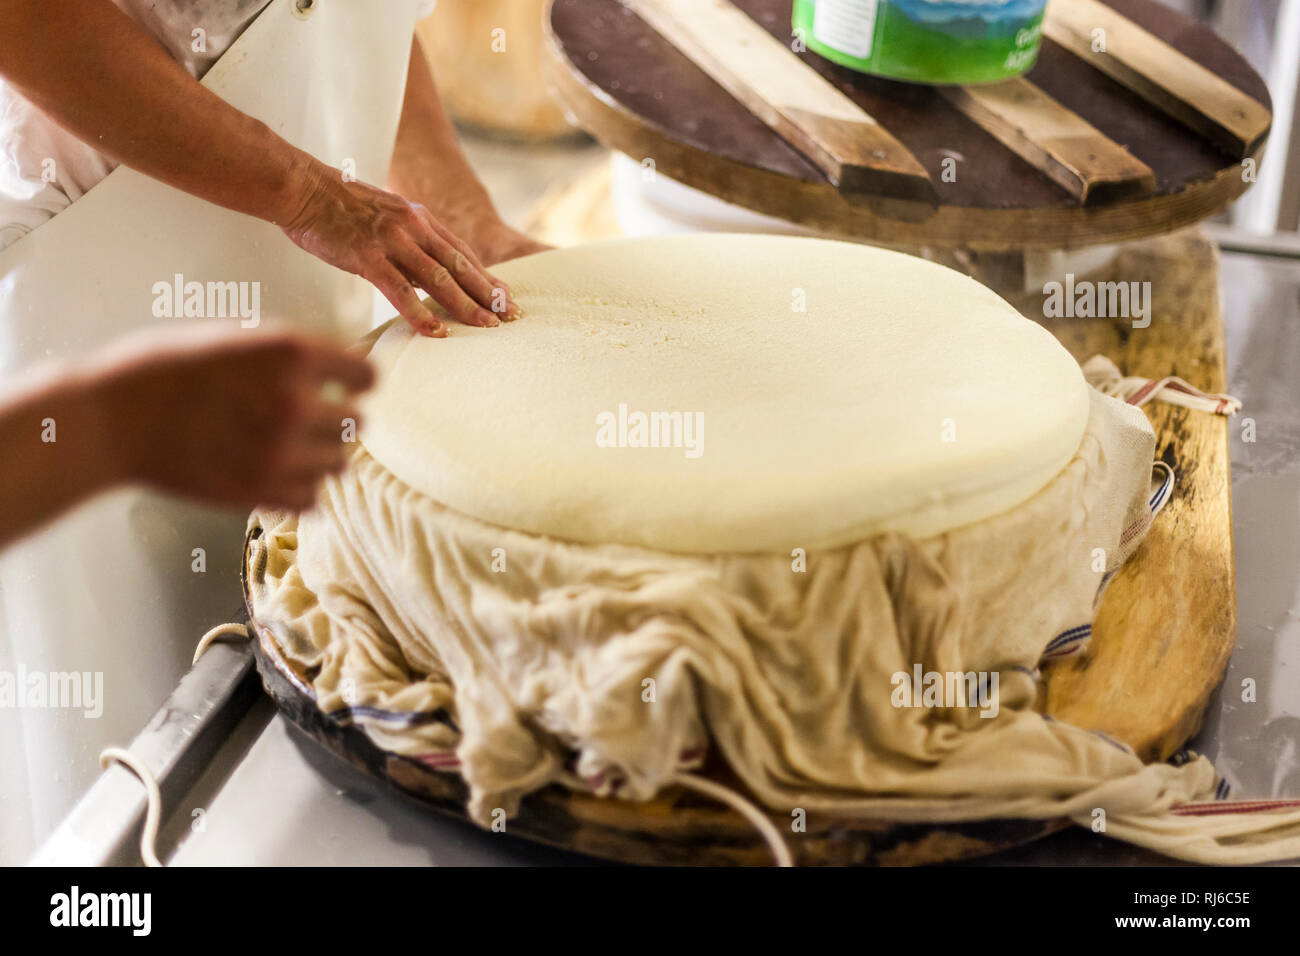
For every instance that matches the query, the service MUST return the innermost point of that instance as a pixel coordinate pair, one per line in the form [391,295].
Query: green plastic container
[925,41]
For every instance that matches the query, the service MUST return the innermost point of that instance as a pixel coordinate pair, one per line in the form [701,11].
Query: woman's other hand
[400,248]
[495,242]
[243,419]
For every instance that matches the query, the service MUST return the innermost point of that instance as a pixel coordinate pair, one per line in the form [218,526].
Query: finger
[312,460]
[329,431]
[327,422]
[456,241]
[401,295]
[489,291]
[513,309]
[497,282]
[326,362]
[431,250]
[444,288]
[475,280]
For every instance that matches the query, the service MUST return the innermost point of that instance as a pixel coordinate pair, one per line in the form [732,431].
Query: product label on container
[846,25]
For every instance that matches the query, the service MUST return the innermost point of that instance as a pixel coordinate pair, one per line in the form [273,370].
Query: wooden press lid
[1023,178]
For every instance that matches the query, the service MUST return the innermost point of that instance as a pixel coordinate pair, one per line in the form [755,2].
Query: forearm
[103,78]
[428,165]
[58,452]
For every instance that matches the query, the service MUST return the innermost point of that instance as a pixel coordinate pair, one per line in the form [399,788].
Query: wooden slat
[855,152]
[1058,141]
[1158,73]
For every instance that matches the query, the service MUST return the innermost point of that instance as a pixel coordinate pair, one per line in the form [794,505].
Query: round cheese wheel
[730,393]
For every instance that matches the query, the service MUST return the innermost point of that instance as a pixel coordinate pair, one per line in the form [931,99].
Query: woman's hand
[399,247]
[235,418]
[495,242]
[243,419]
[124,95]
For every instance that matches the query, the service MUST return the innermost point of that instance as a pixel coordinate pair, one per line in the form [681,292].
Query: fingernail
[493,321]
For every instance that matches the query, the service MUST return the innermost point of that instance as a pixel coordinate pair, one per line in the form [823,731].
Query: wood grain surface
[1168,622]
[1159,73]
[797,103]
[627,85]
[1058,141]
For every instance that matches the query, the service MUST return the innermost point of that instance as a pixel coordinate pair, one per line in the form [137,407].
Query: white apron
[113,589]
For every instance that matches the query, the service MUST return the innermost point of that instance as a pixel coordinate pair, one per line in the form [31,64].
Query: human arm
[430,168]
[103,78]
[238,419]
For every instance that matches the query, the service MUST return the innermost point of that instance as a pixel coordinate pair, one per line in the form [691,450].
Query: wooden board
[854,151]
[1168,622]
[1161,639]
[1057,141]
[622,81]
[1160,74]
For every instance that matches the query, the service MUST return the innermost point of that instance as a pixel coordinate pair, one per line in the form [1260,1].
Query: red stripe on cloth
[1234,806]
[439,760]
[1219,398]
[1140,396]
[1135,528]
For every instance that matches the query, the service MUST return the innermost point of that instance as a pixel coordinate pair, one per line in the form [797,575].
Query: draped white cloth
[612,668]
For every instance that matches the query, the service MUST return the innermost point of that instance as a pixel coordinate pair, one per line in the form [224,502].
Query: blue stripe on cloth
[1113,742]
[345,714]
[1072,632]
[1156,499]
[1067,640]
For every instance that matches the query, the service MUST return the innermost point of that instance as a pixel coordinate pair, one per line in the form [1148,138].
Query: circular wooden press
[1160,643]
[1087,149]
